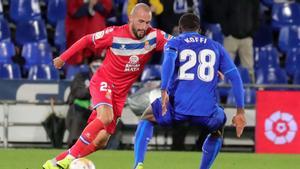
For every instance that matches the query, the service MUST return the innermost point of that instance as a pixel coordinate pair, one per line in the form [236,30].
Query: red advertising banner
[277,122]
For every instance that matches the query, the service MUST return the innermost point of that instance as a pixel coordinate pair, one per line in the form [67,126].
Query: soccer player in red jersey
[129,47]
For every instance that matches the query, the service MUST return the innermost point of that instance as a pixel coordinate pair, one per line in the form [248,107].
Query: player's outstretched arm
[239,120]
[168,67]
[77,46]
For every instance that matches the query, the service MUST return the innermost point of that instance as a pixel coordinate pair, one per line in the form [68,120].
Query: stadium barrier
[25,104]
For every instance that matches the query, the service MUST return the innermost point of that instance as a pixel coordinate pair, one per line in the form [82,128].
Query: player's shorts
[102,92]
[211,123]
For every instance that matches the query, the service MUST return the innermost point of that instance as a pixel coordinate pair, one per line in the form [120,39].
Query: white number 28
[206,59]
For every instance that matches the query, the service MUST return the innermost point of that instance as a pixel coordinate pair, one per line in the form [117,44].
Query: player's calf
[143,135]
[148,115]
[105,114]
[210,149]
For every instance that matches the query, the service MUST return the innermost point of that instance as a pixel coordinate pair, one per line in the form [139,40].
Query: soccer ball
[82,163]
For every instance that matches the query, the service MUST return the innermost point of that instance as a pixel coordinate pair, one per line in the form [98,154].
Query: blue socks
[143,135]
[210,150]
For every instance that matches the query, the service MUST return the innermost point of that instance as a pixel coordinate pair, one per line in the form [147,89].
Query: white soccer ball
[82,163]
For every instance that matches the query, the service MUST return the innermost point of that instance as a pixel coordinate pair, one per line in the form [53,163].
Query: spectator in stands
[211,11]
[173,9]
[239,22]
[155,5]
[79,103]
[85,17]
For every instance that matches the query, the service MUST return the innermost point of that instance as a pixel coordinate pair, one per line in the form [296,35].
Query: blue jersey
[195,77]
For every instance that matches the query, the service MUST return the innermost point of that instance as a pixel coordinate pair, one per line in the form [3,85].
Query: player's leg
[103,115]
[98,143]
[63,154]
[210,149]
[143,135]
[83,149]
[104,118]
[144,130]
[103,136]
[64,158]
[213,143]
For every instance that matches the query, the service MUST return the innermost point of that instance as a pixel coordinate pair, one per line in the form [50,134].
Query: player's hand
[239,121]
[221,75]
[164,101]
[58,63]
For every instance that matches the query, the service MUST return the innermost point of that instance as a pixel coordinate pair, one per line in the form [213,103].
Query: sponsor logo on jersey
[99,35]
[133,64]
[123,47]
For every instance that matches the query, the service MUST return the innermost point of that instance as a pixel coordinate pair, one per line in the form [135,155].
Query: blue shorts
[211,123]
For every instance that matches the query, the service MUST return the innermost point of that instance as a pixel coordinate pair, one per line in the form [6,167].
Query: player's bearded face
[140,23]
[138,33]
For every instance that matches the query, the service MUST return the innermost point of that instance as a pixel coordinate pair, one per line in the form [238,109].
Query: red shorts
[103,93]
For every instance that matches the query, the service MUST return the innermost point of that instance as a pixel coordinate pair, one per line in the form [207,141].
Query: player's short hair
[189,22]
[139,6]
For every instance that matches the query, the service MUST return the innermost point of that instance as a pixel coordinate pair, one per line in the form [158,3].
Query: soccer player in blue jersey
[188,91]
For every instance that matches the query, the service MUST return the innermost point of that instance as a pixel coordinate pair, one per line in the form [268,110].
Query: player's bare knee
[106,119]
[105,114]
[103,144]
[100,145]
[217,133]
[148,115]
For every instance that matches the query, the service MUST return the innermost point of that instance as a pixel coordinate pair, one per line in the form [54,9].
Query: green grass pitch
[34,158]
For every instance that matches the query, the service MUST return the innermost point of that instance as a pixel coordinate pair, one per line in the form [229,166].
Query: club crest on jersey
[147,45]
[133,64]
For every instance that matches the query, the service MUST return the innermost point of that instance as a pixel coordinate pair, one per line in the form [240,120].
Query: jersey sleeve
[229,69]
[162,38]
[226,63]
[168,66]
[103,39]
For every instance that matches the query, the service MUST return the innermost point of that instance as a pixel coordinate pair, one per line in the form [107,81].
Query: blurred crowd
[262,36]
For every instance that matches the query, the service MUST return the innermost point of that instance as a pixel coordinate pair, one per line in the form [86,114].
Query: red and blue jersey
[126,55]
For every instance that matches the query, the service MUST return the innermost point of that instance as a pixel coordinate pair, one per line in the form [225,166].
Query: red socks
[88,150]
[62,155]
[87,136]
